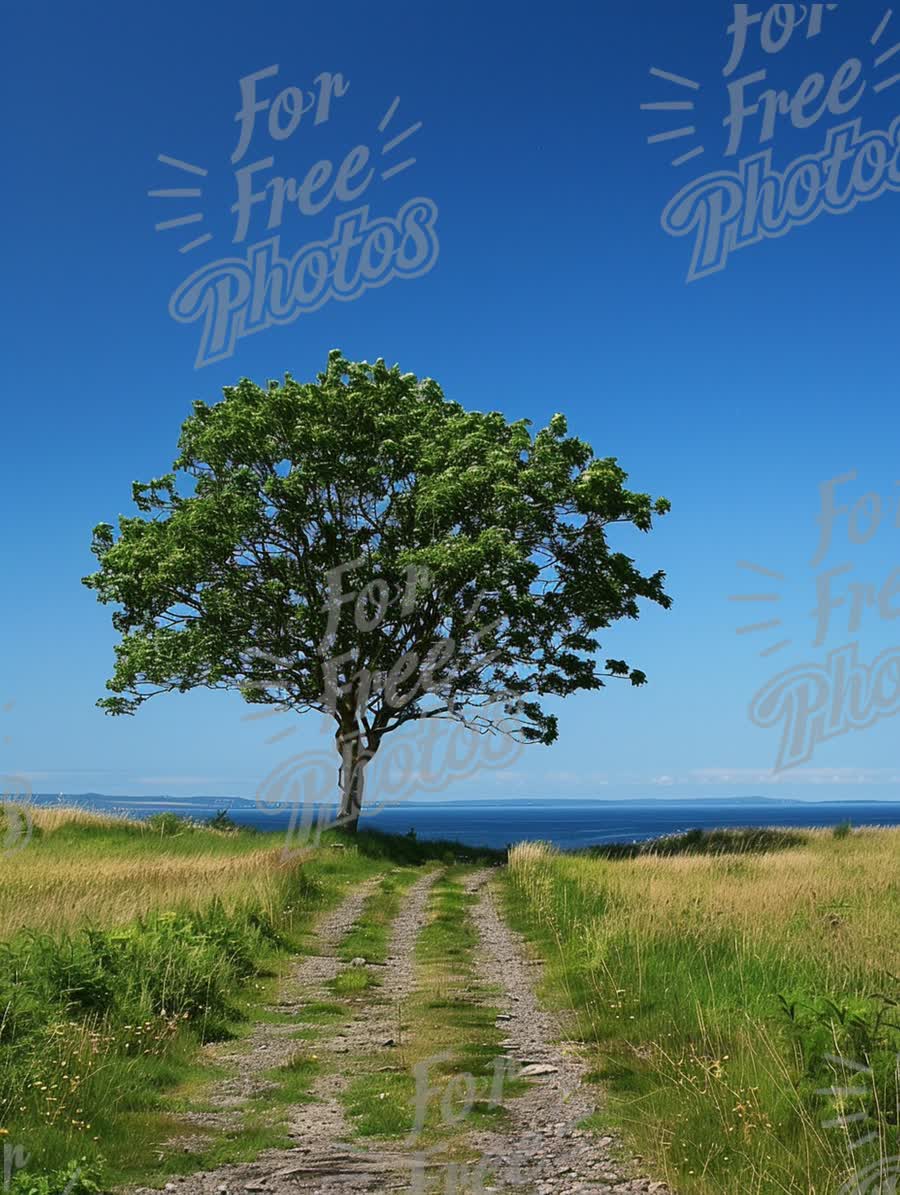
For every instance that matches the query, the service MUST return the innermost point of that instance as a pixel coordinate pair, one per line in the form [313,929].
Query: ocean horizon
[567,822]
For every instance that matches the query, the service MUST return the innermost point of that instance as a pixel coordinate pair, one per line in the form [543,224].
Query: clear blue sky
[555,289]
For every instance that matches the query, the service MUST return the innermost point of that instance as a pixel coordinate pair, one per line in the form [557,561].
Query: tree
[361,546]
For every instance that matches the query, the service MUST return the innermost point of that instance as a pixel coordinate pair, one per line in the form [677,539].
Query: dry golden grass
[64,893]
[835,902]
[53,817]
[57,883]
[719,989]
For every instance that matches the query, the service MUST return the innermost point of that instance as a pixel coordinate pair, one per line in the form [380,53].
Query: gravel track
[543,1152]
[323,1160]
[540,1149]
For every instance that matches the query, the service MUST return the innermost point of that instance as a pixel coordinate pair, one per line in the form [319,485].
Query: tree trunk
[351,778]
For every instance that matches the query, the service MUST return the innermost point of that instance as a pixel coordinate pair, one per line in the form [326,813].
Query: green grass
[368,939]
[160,938]
[711,989]
[321,1012]
[297,1075]
[753,840]
[451,1014]
[352,981]
[292,1081]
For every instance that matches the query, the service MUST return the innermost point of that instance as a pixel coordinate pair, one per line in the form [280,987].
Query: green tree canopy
[361,546]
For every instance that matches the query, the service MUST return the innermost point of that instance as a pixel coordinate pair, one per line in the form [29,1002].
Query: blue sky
[555,288]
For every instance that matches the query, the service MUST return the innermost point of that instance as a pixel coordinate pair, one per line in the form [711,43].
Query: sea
[566,823]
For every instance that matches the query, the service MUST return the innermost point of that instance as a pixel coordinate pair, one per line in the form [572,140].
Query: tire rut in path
[271,1044]
[323,1161]
[378,1026]
[543,1152]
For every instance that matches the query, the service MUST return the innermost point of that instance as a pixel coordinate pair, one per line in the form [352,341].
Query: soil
[540,1149]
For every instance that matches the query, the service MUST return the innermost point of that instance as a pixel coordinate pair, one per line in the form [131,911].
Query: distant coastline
[569,823]
[228,801]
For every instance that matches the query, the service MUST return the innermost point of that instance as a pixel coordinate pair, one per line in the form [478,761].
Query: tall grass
[83,867]
[123,947]
[713,990]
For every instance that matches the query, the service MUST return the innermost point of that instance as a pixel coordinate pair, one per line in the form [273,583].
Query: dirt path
[543,1152]
[271,1044]
[540,1150]
[323,1161]
[322,1124]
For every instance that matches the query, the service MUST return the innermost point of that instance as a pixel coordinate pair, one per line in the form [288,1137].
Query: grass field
[722,984]
[125,947]
[86,868]
[720,988]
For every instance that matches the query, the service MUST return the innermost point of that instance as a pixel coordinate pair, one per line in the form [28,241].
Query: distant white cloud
[509,777]
[579,779]
[186,780]
[794,776]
